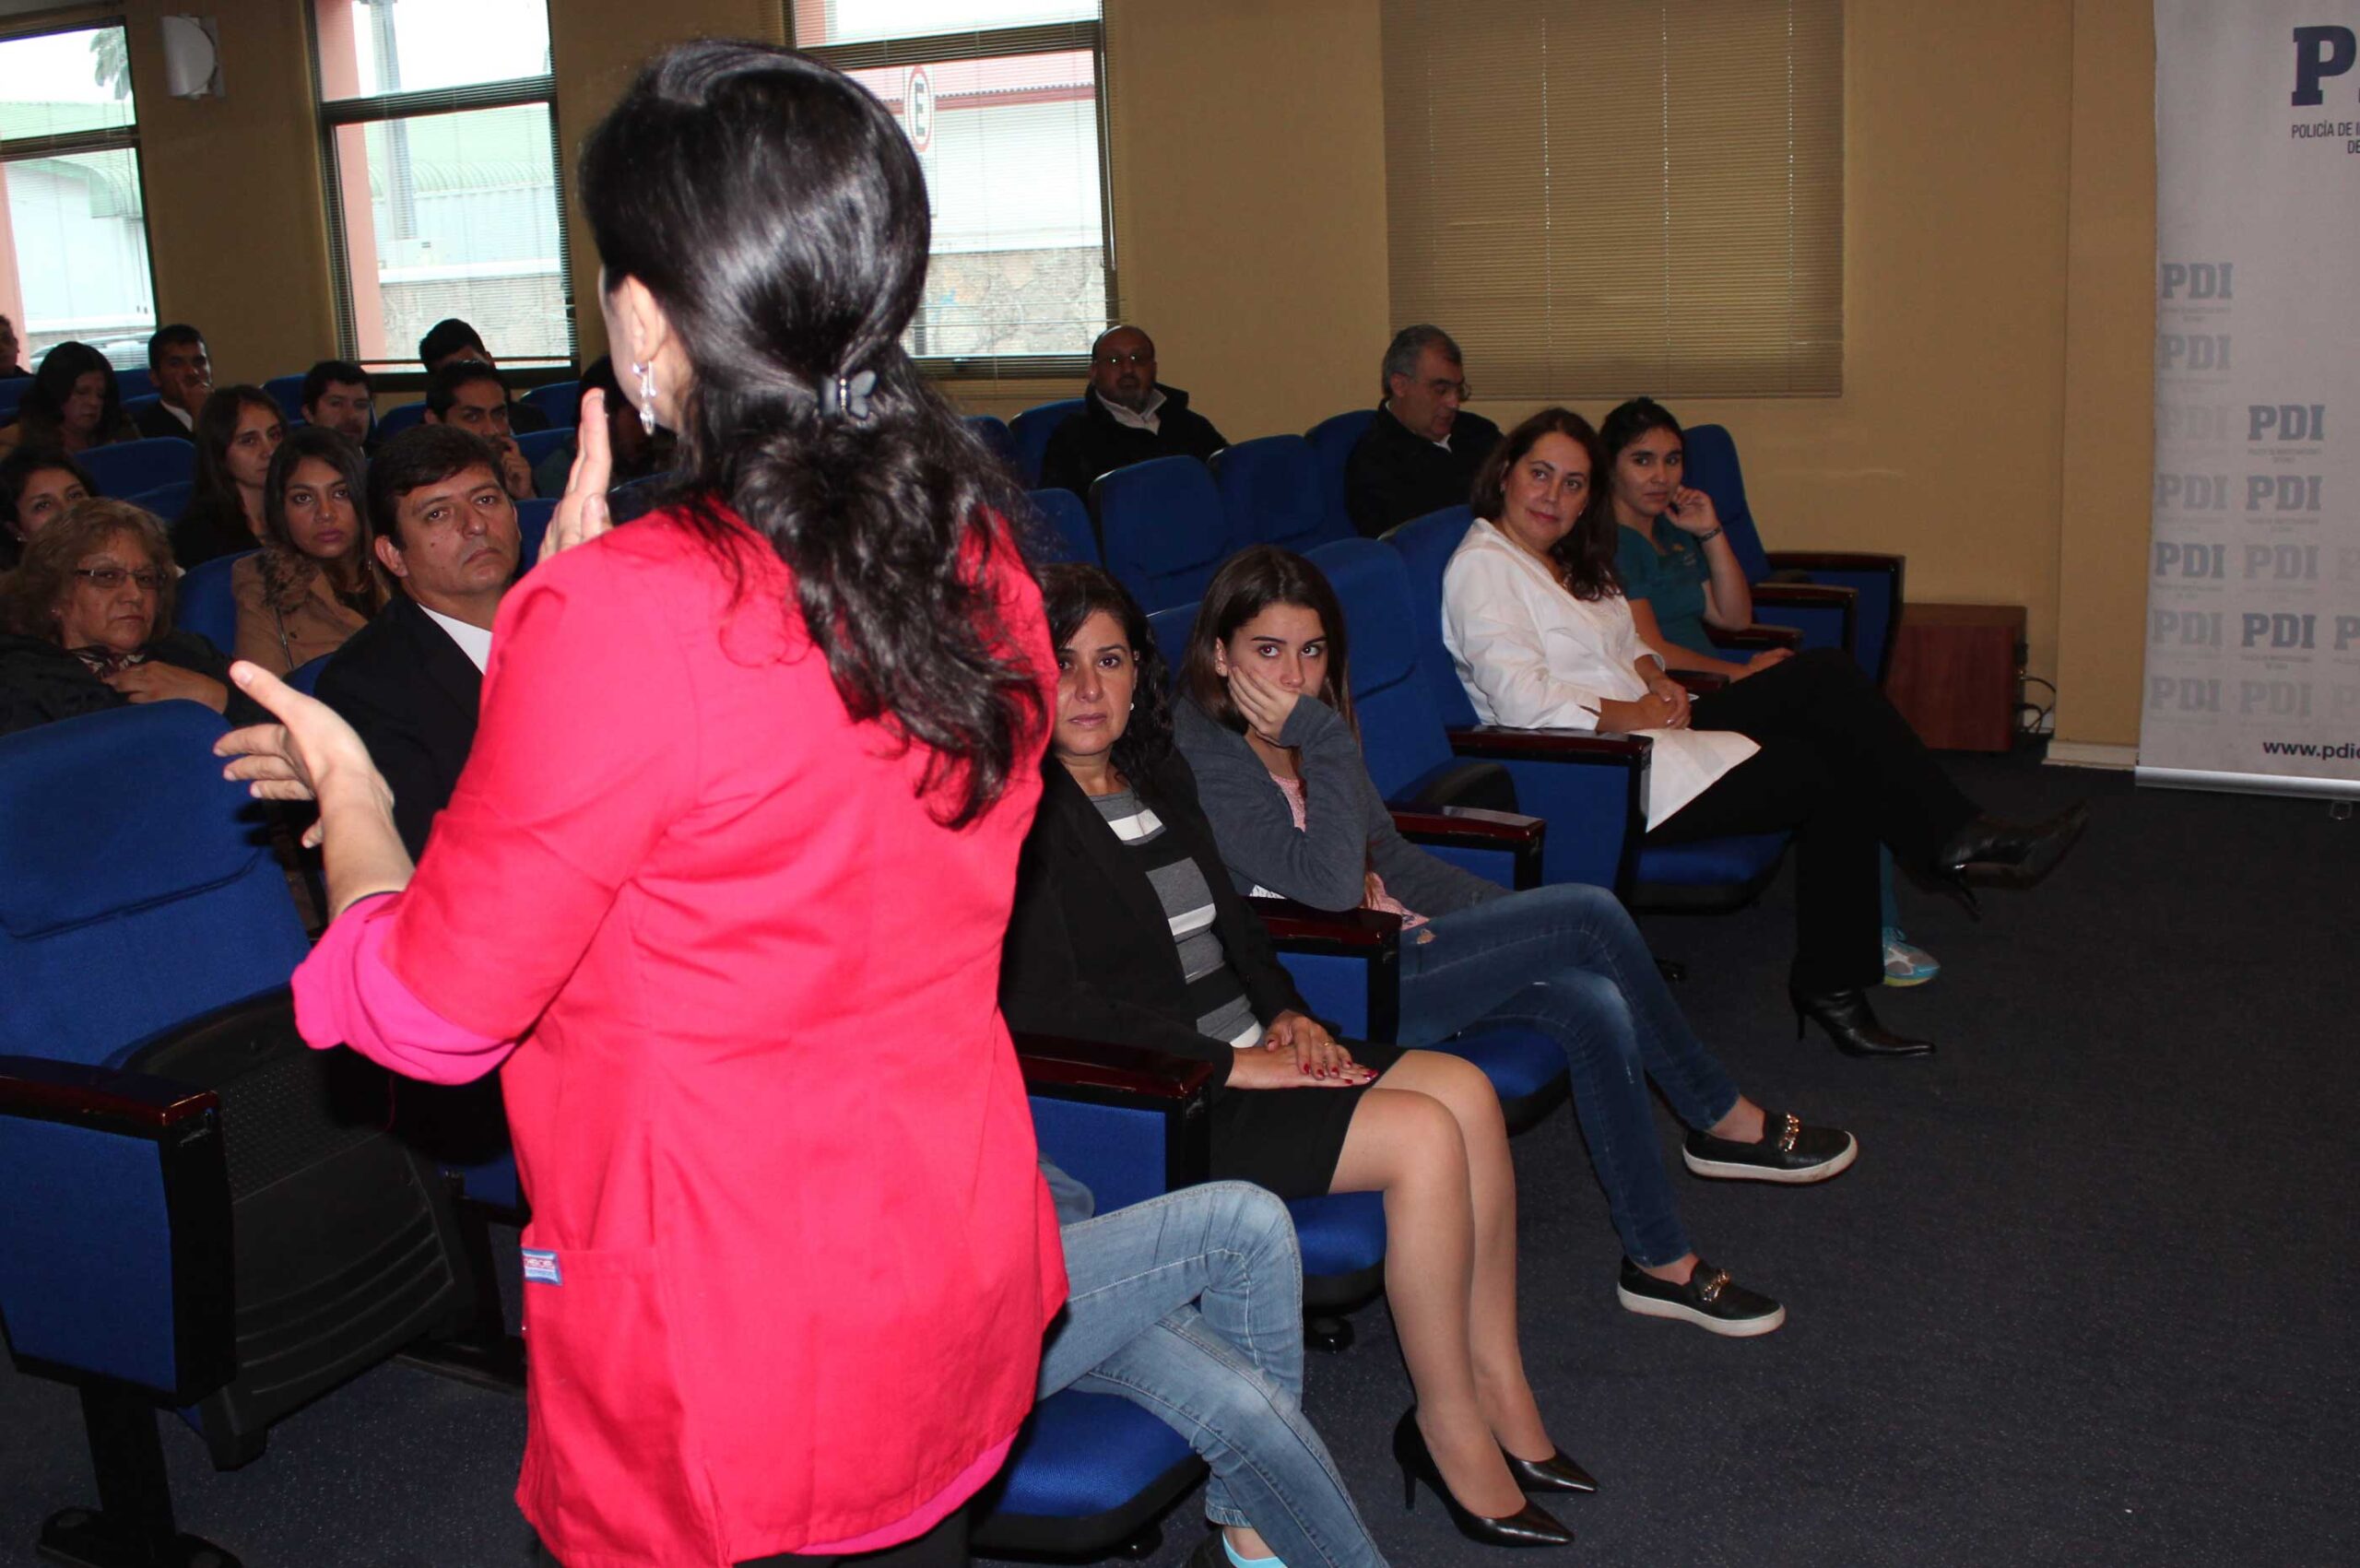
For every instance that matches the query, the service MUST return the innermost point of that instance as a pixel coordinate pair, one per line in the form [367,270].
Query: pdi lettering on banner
[2192,351]
[2197,280]
[2192,492]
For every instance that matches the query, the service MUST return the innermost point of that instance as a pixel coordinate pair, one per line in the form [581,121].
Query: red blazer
[765,1107]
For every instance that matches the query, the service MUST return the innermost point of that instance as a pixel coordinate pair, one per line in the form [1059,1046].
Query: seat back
[12,394]
[1332,440]
[1170,627]
[148,896]
[394,421]
[1425,546]
[134,382]
[167,502]
[1712,466]
[204,604]
[993,432]
[1271,489]
[559,400]
[288,393]
[127,467]
[532,527]
[1031,431]
[1402,734]
[1060,528]
[1161,530]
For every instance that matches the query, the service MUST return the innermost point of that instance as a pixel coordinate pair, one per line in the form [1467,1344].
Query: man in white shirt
[410,680]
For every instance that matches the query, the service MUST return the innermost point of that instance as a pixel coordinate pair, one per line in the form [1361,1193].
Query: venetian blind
[1599,197]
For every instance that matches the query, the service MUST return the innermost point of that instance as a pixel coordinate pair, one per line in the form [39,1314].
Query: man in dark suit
[1126,417]
[182,371]
[1422,453]
[409,681]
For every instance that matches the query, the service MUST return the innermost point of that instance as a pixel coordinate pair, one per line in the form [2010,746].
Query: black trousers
[945,1546]
[1845,772]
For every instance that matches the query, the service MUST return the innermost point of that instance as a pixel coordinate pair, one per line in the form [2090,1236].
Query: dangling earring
[646,397]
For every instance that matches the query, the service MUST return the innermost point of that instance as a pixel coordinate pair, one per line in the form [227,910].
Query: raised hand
[581,514]
[1692,512]
[1264,704]
[309,750]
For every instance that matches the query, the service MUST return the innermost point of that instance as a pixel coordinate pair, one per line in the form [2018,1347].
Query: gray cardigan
[1348,833]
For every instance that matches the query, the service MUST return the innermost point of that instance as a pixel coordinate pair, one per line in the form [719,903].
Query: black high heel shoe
[1852,1024]
[1529,1526]
[2010,855]
[1556,1473]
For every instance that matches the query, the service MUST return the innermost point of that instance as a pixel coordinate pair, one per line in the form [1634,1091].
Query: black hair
[597,376]
[172,336]
[1071,592]
[17,470]
[1631,420]
[446,338]
[287,571]
[1587,553]
[42,412]
[1247,583]
[443,386]
[215,426]
[422,454]
[342,373]
[776,211]
[1408,345]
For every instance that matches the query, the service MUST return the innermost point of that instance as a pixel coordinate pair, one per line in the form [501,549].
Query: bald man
[1126,418]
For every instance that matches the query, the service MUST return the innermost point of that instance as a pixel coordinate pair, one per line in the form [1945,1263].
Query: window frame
[511,92]
[106,138]
[996,43]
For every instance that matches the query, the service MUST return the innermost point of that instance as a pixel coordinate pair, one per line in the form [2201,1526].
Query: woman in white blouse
[1537,625]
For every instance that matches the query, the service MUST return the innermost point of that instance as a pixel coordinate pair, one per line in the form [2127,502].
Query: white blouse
[1532,656]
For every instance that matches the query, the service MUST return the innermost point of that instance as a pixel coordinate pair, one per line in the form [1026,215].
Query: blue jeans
[1567,961]
[1190,1306]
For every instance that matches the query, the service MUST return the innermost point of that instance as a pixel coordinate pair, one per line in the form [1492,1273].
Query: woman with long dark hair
[726,879]
[1125,929]
[1536,622]
[236,432]
[315,581]
[1265,722]
[73,405]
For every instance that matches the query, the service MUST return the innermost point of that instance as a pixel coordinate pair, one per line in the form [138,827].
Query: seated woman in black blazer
[1127,929]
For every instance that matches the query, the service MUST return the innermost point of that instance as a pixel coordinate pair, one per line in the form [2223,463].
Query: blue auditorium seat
[1161,530]
[305,677]
[12,393]
[203,603]
[135,382]
[532,528]
[993,432]
[167,502]
[288,393]
[130,467]
[1062,529]
[559,400]
[538,445]
[1031,431]
[394,421]
[1803,589]
[1274,492]
[1332,440]
[156,1103]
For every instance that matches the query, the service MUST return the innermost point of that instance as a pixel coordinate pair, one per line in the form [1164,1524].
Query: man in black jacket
[182,371]
[1126,417]
[410,680]
[1422,453]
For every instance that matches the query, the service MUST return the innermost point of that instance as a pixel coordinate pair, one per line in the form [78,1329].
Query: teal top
[1671,580]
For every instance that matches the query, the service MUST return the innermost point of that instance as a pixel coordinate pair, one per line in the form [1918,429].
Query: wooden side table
[1956,673]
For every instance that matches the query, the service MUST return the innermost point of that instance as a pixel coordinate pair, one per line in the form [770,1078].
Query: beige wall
[1994,425]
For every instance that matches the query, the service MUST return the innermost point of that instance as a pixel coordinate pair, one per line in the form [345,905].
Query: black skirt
[1289,1139]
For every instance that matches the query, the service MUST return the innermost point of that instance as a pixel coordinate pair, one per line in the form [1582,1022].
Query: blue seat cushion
[1081,1454]
[1711,863]
[1519,1062]
[1340,1232]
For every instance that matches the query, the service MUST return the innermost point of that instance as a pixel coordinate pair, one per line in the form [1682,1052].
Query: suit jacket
[1394,475]
[413,695]
[155,419]
[1090,952]
[1093,442]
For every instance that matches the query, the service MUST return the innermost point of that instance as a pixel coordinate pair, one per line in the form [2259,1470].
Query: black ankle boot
[2010,855]
[1852,1024]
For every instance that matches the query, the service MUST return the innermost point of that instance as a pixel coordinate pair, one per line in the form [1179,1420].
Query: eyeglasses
[1445,388]
[107,579]
[1135,357]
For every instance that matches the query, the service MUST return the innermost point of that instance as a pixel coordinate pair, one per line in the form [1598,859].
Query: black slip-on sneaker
[1789,1152]
[1710,1300]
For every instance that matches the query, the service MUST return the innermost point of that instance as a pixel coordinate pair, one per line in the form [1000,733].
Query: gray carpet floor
[2086,1298]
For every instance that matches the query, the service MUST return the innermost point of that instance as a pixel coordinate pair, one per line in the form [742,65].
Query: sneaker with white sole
[1710,1300]
[1789,1152]
[1905,964]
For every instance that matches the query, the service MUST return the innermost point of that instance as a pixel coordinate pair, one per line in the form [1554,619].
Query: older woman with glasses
[85,625]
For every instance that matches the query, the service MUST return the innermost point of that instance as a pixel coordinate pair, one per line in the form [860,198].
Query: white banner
[2253,597]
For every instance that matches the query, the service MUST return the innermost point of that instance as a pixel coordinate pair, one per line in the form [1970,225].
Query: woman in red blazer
[726,878]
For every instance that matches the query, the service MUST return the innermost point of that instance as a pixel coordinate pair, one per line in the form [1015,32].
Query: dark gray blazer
[1349,832]
[412,694]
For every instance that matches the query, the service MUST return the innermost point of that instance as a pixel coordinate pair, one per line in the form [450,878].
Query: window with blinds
[1601,197]
[1004,101]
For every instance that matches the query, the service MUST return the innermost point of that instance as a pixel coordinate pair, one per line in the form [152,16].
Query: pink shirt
[1377,897]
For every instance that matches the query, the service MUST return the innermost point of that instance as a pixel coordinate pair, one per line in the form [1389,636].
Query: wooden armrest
[1759,636]
[1833,561]
[1469,825]
[1052,1061]
[1568,745]
[69,1091]
[1291,922]
[1819,595]
[1702,682]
